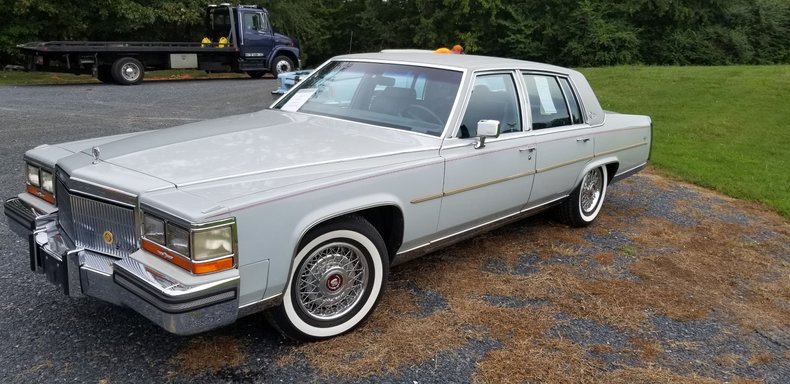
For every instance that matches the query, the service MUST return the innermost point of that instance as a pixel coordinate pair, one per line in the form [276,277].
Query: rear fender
[595,163]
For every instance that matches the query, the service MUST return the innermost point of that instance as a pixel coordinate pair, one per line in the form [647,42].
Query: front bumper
[179,307]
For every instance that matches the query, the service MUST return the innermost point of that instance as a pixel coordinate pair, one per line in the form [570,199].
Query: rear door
[565,143]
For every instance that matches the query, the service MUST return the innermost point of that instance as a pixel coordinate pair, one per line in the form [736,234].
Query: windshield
[405,97]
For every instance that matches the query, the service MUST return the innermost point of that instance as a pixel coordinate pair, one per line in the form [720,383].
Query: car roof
[468,62]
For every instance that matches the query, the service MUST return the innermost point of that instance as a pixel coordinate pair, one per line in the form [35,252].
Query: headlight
[40,182]
[33,176]
[178,239]
[212,243]
[47,181]
[154,229]
[198,248]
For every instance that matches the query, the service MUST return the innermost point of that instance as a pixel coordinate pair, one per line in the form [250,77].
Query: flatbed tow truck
[237,39]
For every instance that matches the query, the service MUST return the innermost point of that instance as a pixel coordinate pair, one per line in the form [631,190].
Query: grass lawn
[726,128]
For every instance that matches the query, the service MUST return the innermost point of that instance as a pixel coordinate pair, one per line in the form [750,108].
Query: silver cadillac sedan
[300,209]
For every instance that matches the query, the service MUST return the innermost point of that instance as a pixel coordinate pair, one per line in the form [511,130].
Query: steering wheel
[416,111]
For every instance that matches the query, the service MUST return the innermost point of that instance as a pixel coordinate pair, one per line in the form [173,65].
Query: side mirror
[486,128]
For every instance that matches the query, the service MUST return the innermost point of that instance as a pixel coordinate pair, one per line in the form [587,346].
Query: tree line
[563,32]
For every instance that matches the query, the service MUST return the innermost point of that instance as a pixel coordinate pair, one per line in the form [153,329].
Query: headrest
[399,93]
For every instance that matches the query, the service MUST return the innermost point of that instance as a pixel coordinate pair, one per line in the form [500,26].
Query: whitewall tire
[585,202]
[336,280]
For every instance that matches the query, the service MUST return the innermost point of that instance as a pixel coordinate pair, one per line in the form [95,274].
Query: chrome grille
[90,223]
[64,207]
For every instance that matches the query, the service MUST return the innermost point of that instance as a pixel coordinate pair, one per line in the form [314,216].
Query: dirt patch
[208,355]
[668,281]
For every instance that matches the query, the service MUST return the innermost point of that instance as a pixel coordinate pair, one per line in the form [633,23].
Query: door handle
[583,139]
[530,149]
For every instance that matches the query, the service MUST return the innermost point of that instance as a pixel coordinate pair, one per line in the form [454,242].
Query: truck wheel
[282,64]
[128,71]
[337,278]
[256,74]
[104,74]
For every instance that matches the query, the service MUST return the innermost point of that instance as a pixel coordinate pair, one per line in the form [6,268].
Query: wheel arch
[387,218]
[611,164]
[287,52]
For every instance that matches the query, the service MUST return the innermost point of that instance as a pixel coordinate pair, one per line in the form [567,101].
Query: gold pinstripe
[471,187]
[621,148]
[524,174]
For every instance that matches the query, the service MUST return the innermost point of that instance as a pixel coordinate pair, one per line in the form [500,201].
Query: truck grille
[96,225]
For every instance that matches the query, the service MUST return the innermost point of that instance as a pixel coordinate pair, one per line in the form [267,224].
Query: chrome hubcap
[283,66]
[592,186]
[332,281]
[130,71]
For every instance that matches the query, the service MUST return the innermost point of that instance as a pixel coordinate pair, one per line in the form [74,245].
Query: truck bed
[122,46]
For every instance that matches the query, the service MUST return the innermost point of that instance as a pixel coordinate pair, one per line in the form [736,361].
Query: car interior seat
[393,100]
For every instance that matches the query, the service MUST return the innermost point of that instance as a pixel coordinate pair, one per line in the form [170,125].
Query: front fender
[291,52]
[341,208]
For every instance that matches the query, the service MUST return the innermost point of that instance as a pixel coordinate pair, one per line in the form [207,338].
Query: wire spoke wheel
[592,187]
[585,201]
[336,280]
[331,281]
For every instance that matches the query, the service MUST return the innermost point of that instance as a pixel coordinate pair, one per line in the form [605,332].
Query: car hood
[256,143]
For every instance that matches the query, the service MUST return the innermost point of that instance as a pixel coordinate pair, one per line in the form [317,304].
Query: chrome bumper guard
[175,306]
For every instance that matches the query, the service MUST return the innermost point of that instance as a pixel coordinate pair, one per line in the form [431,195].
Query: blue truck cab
[247,27]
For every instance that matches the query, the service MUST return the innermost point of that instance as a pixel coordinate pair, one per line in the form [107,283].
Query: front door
[257,36]
[488,183]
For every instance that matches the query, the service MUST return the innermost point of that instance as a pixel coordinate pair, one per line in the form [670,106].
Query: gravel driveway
[673,283]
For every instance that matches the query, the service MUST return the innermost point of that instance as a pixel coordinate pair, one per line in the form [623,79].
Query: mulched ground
[673,283]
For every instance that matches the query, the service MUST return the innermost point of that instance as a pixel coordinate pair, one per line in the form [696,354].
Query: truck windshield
[407,97]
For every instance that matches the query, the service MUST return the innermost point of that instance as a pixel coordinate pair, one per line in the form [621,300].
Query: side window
[576,112]
[252,21]
[493,98]
[546,102]
[264,24]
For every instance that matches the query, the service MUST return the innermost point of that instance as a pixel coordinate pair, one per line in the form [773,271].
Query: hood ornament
[96,152]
